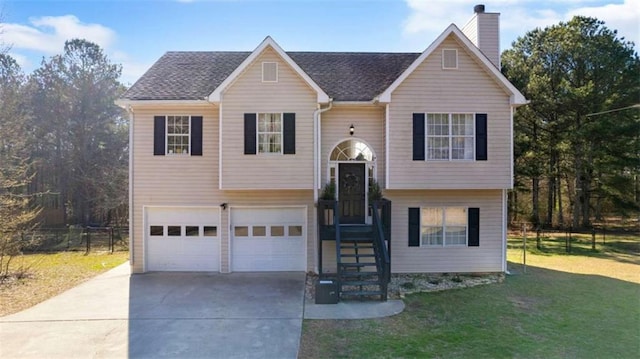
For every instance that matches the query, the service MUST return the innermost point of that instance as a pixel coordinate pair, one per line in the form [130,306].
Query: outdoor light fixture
[352,130]
[223,205]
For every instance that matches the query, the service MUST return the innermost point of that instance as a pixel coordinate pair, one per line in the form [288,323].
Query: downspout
[318,148]
[504,232]
[131,209]
[316,168]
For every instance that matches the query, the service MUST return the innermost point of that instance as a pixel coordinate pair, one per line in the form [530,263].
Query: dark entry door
[351,189]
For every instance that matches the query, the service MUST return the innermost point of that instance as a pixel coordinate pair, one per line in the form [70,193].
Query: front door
[351,187]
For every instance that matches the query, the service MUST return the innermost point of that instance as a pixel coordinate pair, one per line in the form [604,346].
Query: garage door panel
[268,239]
[182,239]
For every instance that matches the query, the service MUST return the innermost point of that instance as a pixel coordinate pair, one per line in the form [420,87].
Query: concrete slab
[159,315]
[353,310]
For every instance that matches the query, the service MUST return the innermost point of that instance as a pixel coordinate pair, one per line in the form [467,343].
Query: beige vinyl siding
[471,29]
[274,199]
[369,127]
[487,257]
[489,36]
[248,94]
[469,89]
[484,31]
[171,180]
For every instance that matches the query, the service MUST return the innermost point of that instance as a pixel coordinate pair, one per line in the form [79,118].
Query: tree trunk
[535,194]
[560,207]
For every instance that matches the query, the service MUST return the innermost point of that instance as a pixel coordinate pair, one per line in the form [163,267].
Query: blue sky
[136,33]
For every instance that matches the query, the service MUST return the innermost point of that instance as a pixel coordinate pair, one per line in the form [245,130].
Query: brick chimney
[484,31]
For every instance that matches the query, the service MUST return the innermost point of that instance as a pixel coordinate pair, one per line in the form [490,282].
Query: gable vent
[449,59]
[269,72]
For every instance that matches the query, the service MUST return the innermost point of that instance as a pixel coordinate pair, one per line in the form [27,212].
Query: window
[210,231]
[450,136]
[259,231]
[295,231]
[192,231]
[173,231]
[241,231]
[156,230]
[178,134]
[277,231]
[269,133]
[444,226]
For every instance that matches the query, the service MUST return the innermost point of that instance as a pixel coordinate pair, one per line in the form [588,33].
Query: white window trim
[258,134]
[444,229]
[166,136]
[450,136]
[277,71]
[443,63]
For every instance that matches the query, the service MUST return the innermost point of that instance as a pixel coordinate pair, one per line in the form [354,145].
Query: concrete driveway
[156,315]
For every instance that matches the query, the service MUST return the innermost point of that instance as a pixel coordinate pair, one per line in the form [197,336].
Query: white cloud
[48,34]
[623,17]
[429,18]
[45,36]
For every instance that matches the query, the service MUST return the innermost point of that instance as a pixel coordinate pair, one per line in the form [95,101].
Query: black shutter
[414,227]
[418,136]
[159,135]
[196,135]
[481,137]
[249,133]
[289,134]
[474,227]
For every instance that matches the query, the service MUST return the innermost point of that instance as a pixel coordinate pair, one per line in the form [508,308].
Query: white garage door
[182,239]
[268,239]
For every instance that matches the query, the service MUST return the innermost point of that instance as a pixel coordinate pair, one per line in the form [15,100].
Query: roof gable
[216,94]
[516,97]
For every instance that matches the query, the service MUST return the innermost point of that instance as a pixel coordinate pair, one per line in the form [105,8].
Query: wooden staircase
[360,273]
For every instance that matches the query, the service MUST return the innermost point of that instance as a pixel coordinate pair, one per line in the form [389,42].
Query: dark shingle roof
[344,76]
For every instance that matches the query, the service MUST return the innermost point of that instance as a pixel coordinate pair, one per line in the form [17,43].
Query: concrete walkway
[353,310]
[163,315]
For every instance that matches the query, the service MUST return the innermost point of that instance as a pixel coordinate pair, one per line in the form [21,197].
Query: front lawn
[580,305]
[46,275]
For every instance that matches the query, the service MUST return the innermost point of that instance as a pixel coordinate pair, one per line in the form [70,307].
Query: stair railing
[336,224]
[381,251]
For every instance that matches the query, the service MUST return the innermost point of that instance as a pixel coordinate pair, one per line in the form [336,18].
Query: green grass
[580,305]
[44,275]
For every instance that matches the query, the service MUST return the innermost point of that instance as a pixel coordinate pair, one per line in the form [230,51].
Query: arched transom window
[351,150]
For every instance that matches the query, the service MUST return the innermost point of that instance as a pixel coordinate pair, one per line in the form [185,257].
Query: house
[230,152]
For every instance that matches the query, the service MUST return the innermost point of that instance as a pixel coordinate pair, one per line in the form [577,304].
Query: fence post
[524,247]
[88,238]
[593,238]
[111,245]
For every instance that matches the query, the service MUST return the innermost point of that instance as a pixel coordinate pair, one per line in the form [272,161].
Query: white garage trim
[276,247]
[182,217]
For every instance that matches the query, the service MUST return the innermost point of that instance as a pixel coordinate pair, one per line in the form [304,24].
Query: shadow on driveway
[196,315]
[156,315]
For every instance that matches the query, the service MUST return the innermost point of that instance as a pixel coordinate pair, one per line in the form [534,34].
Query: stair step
[357,265]
[358,274]
[365,239]
[353,255]
[356,245]
[359,283]
[360,292]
